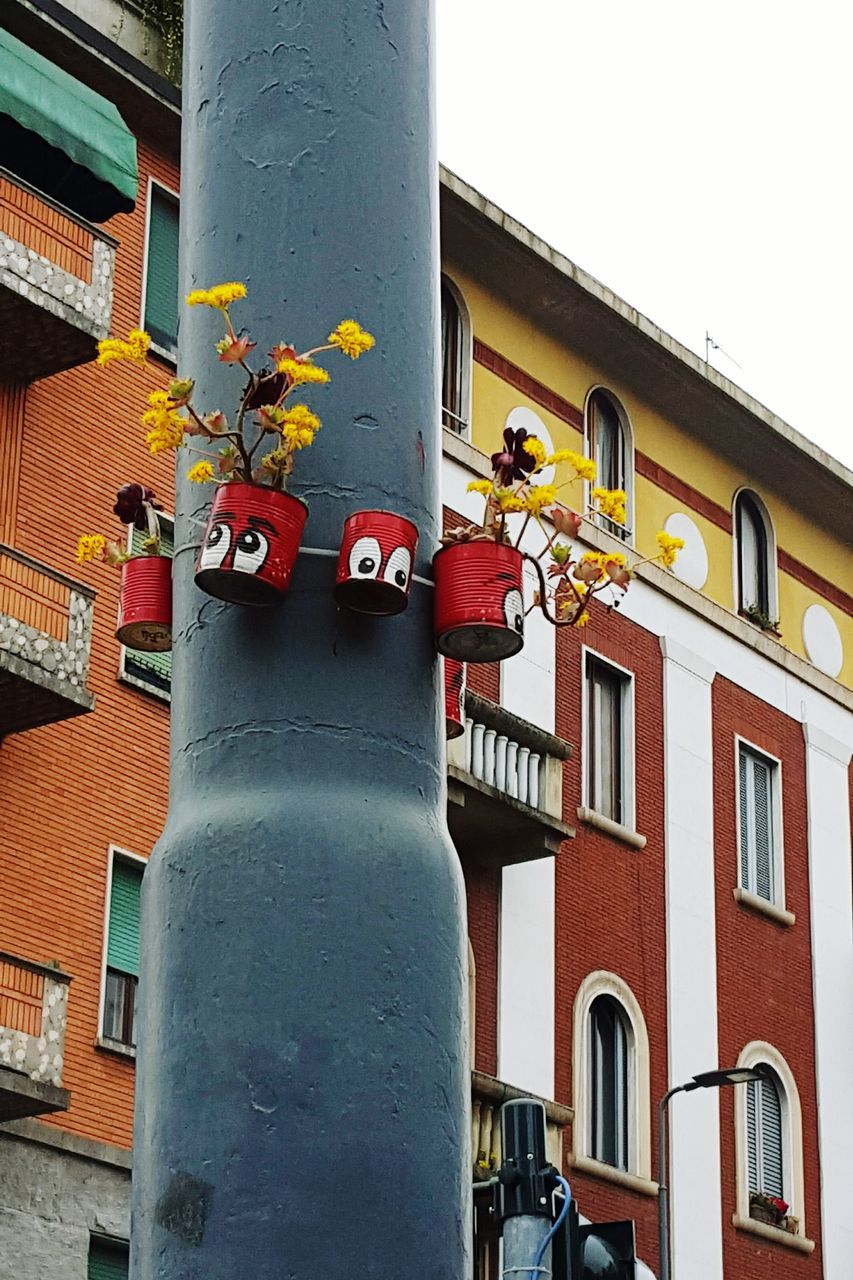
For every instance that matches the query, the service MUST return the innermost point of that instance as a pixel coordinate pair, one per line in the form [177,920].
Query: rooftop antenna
[711,345]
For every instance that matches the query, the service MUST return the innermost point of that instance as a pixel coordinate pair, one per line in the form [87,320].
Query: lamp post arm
[663,1179]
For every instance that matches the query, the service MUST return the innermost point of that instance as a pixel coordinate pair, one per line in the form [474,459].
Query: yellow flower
[351,338]
[535,449]
[90,547]
[274,461]
[220,295]
[166,436]
[584,467]
[166,425]
[583,619]
[539,497]
[299,426]
[480,486]
[134,348]
[201,472]
[611,503]
[301,371]
[509,501]
[669,548]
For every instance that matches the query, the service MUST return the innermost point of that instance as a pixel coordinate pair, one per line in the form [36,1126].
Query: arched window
[611,1078]
[769,1144]
[455,360]
[608,441]
[608,1044]
[756,559]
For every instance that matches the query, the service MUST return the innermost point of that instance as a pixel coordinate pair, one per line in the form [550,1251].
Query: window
[107,1260]
[608,1083]
[150,671]
[769,1142]
[160,305]
[756,557]
[122,958]
[759,823]
[608,443]
[609,741]
[764,1137]
[610,1066]
[455,359]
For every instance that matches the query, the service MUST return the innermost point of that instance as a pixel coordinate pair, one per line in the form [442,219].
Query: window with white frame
[609,1042]
[121,971]
[755,550]
[108,1259]
[150,671]
[769,1143]
[160,301]
[455,360]
[608,441]
[609,747]
[759,823]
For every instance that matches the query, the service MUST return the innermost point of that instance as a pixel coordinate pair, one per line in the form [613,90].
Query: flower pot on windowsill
[250,544]
[145,604]
[479,611]
[375,563]
[761,1214]
[454,698]
[769,1209]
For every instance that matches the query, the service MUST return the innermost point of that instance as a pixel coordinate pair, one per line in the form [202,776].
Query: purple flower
[513,463]
[130,505]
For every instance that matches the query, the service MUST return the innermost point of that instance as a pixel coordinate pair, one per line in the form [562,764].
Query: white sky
[694,158]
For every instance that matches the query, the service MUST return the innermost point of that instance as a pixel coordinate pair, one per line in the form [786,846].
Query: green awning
[62,137]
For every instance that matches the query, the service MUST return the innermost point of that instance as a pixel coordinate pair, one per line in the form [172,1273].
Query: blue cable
[561,1218]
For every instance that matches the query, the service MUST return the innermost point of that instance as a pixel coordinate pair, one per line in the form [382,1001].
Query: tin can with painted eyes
[479,607]
[375,563]
[250,544]
[454,698]
[145,604]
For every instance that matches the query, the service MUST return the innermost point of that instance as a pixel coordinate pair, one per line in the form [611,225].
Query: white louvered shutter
[763,809]
[743,788]
[752,1133]
[772,1179]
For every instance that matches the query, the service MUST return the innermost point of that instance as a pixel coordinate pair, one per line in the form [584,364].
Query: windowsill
[127,677]
[117,1047]
[755,903]
[169,358]
[776,1234]
[615,829]
[631,1181]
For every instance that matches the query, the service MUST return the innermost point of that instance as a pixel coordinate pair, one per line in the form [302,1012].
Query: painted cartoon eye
[216,546]
[399,567]
[250,551]
[365,558]
[514,611]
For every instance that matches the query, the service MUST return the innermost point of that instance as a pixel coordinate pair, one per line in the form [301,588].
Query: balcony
[33,1004]
[45,639]
[56,284]
[487,1097]
[505,786]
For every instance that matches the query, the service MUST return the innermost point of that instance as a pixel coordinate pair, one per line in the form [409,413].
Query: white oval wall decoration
[691,565]
[822,640]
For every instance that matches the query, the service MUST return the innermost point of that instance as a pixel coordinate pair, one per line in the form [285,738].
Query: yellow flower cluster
[669,548]
[535,449]
[585,467]
[299,426]
[301,371]
[611,502]
[480,486]
[220,296]
[165,423]
[134,348]
[509,501]
[275,461]
[539,497]
[90,547]
[351,338]
[201,472]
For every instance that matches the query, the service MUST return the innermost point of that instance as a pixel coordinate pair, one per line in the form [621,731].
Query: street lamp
[705,1080]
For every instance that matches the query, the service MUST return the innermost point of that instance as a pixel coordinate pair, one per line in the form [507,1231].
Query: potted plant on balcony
[770,1209]
[255,526]
[479,603]
[145,595]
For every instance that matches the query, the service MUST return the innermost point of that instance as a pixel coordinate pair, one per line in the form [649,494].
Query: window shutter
[772,1181]
[743,790]
[123,939]
[752,1134]
[154,668]
[609,1101]
[106,1262]
[762,782]
[161,281]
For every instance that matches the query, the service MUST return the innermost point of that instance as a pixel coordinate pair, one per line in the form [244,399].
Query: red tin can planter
[375,563]
[454,698]
[145,604]
[250,544]
[479,608]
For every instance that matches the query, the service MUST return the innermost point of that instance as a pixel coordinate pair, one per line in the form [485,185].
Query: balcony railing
[56,284]
[487,1097]
[505,785]
[33,1005]
[45,641]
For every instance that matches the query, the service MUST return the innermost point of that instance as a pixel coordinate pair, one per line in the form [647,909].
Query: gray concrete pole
[303,1087]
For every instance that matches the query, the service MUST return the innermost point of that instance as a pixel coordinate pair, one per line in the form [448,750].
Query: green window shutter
[106,1261]
[161,280]
[154,668]
[123,938]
